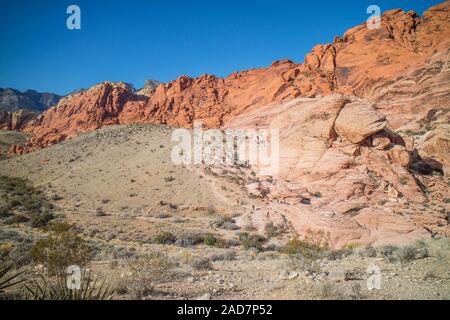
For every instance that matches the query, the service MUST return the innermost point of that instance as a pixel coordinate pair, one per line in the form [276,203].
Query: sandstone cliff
[407,57]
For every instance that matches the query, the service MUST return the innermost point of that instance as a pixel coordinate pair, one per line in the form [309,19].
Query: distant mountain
[12,100]
[149,88]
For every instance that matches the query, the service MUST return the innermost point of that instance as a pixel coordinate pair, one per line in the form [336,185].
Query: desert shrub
[352,246]
[23,203]
[413,252]
[41,220]
[99,212]
[225,222]
[151,265]
[162,215]
[338,254]
[201,263]
[19,253]
[192,239]
[226,256]
[211,210]
[122,288]
[357,291]
[303,248]
[62,248]
[230,226]
[249,241]
[272,230]
[169,179]
[210,240]
[16,219]
[327,291]
[369,252]
[406,254]
[5,211]
[165,238]
[388,250]
[418,250]
[139,289]
[430,275]
[183,242]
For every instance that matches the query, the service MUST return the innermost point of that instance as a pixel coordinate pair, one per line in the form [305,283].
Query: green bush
[61,249]
[252,241]
[16,219]
[304,248]
[210,240]
[201,263]
[165,238]
[418,250]
[42,219]
[23,203]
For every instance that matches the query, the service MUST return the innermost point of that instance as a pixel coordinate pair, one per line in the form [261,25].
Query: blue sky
[136,40]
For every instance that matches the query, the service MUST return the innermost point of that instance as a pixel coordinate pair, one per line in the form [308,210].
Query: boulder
[358,121]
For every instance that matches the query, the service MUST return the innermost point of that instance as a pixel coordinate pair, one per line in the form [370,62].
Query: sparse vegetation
[249,241]
[272,230]
[210,240]
[327,291]
[62,248]
[418,250]
[200,263]
[225,222]
[313,246]
[151,265]
[226,256]
[91,288]
[8,277]
[169,179]
[368,252]
[302,247]
[23,203]
[165,238]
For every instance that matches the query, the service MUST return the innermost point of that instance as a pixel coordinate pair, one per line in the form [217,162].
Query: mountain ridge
[362,62]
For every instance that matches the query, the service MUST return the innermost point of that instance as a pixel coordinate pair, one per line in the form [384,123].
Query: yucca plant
[91,288]
[8,277]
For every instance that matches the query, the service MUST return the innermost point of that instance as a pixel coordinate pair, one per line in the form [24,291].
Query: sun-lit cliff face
[363,62]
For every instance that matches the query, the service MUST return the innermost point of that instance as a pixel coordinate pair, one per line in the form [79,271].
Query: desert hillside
[362,130]
[160,231]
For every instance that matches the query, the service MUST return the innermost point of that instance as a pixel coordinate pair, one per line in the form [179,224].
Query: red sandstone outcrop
[365,62]
[83,111]
[361,171]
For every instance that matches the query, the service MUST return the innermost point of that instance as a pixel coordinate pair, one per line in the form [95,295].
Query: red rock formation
[84,111]
[363,62]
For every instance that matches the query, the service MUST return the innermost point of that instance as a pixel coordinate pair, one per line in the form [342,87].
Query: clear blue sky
[136,40]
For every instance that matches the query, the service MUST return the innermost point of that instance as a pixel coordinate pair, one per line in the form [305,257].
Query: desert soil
[119,186]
